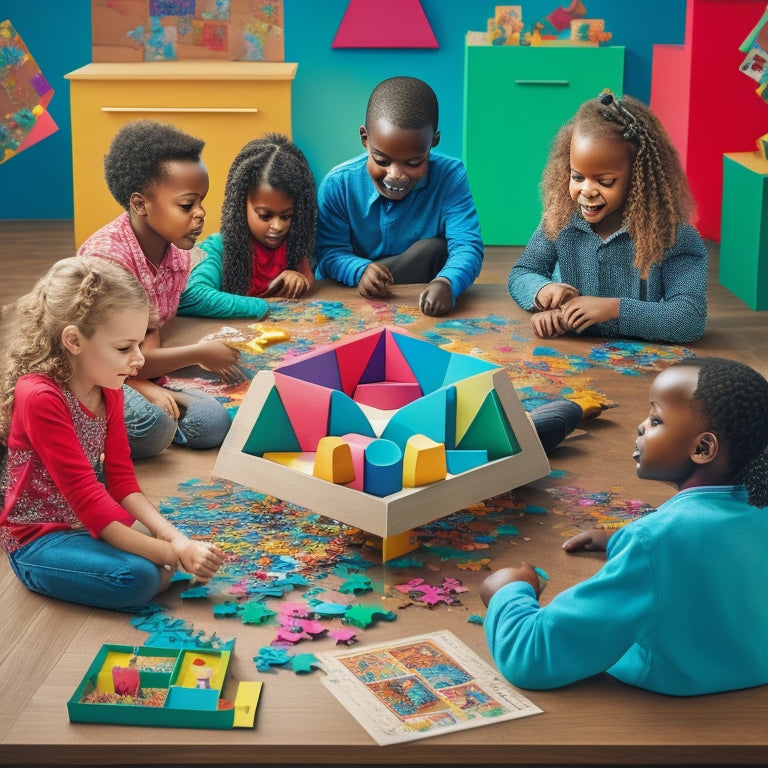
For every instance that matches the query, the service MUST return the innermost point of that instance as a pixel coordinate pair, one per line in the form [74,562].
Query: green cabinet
[744,228]
[515,100]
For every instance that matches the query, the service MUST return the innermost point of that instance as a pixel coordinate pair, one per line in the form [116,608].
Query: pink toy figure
[203,673]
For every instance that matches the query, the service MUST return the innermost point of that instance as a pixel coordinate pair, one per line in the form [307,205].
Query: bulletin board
[167,30]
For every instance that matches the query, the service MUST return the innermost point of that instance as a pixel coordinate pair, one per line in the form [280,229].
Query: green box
[744,228]
[184,683]
[515,100]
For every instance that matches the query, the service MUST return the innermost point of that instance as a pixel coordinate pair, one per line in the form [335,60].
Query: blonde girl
[75,523]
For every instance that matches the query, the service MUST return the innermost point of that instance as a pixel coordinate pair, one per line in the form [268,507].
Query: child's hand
[437,298]
[582,311]
[217,356]
[375,282]
[548,324]
[553,295]
[200,559]
[289,284]
[504,576]
[595,540]
[157,395]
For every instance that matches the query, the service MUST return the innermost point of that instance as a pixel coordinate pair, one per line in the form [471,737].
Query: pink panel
[353,358]
[397,368]
[387,395]
[358,444]
[307,406]
[384,24]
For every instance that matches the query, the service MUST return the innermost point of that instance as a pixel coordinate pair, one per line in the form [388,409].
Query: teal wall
[331,86]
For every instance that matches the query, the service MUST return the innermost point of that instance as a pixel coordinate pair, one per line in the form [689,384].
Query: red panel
[384,24]
[722,112]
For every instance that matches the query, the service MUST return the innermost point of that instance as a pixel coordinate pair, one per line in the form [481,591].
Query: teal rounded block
[383,468]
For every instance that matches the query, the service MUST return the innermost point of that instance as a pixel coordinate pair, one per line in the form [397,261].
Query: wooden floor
[46,646]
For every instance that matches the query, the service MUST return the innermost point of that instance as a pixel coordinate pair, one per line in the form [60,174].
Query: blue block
[345,416]
[462,461]
[383,468]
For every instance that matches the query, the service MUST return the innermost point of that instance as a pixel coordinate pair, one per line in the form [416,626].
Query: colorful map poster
[421,686]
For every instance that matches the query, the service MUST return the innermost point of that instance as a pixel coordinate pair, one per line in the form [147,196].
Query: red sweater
[66,467]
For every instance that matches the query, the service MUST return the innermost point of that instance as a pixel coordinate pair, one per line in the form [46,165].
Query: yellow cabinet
[225,103]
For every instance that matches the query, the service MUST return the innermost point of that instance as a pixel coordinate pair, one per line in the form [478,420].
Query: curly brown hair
[78,291]
[139,154]
[659,197]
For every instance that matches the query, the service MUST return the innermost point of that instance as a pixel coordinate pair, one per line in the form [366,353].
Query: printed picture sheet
[421,686]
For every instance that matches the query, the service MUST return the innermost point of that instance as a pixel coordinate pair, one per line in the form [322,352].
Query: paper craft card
[163,30]
[420,686]
[24,96]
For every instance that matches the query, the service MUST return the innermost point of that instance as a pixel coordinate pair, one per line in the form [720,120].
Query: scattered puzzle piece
[269,657]
[356,583]
[364,615]
[303,663]
[256,612]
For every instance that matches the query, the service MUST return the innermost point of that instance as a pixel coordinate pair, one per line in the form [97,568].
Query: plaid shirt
[116,241]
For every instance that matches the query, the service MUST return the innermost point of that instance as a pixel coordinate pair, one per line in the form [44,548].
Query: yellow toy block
[301,461]
[333,460]
[423,461]
[394,546]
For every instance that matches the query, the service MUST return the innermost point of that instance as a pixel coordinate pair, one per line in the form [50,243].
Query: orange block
[423,461]
[333,460]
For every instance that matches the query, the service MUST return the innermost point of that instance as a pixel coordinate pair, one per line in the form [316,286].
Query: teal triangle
[490,431]
[427,361]
[463,366]
[272,430]
[345,416]
[433,415]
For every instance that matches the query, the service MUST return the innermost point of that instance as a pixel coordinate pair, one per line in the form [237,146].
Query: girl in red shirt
[74,522]
[266,246]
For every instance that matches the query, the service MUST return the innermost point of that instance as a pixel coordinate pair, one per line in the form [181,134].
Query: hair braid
[275,160]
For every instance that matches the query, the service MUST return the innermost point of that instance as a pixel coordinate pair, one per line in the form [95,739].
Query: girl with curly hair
[679,605]
[155,171]
[75,522]
[266,246]
[615,253]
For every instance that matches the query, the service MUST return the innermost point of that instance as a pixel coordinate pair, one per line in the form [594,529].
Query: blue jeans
[73,566]
[555,420]
[204,422]
[420,263]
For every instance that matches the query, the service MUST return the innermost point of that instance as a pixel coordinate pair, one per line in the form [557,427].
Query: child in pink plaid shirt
[156,173]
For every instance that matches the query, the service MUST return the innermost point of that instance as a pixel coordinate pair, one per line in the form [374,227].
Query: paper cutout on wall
[159,30]
[24,96]
[384,24]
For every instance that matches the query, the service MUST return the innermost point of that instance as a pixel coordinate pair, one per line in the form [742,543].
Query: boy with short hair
[400,213]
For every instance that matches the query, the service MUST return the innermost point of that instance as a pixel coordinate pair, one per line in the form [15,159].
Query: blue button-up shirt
[357,225]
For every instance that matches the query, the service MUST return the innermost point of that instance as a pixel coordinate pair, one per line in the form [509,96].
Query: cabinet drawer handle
[542,82]
[214,110]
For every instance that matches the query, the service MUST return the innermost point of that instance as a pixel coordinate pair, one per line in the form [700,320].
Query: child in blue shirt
[400,213]
[615,253]
[679,606]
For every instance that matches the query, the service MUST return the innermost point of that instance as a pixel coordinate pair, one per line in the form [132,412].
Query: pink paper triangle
[384,24]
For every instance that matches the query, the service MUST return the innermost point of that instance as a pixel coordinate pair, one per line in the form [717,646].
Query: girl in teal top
[266,247]
[679,606]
